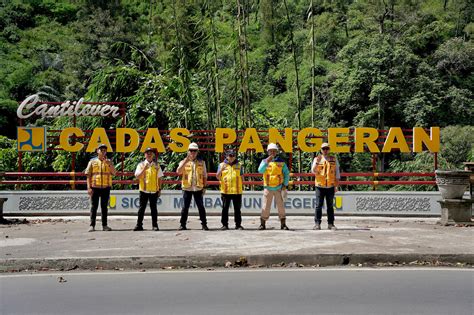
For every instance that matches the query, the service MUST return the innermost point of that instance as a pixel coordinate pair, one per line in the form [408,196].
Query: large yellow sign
[308,140]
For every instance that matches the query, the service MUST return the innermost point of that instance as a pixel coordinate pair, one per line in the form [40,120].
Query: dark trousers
[144,197]
[187,196]
[321,194]
[237,201]
[103,194]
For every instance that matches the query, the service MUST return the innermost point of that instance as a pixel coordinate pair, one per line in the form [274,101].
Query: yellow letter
[121,134]
[333,140]
[98,136]
[177,135]
[245,145]
[371,140]
[420,137]
[395,134]
[224,136]
[153,140]
[286,143]
[303,134]
[64,139]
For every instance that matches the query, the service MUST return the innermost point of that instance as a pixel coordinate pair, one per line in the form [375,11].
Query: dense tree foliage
[203,64]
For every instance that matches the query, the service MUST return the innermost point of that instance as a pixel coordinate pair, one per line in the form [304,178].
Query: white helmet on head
[193,146]
[325,145]
[272,146]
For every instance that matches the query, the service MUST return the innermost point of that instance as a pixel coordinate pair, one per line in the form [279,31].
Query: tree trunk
[295,63]
[183,74]
[243,71]
[216,76]
[313,65]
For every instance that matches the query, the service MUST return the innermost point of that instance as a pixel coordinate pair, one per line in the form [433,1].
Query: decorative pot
[452,184]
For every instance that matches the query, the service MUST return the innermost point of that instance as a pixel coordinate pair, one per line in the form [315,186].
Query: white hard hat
[193,146]
[272,146]
[325,145]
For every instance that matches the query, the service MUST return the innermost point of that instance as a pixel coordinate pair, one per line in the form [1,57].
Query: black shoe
[240,227]
[204,227]
[262,224]
[182,228]
[138,228]
[283,224]
[224,228]
[155,228]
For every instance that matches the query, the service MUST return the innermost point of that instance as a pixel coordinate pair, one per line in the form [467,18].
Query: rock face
[452,184]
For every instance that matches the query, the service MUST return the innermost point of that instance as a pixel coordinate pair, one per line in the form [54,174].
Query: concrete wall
[298,203]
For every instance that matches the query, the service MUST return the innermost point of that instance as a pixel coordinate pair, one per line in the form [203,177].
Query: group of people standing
[193,172]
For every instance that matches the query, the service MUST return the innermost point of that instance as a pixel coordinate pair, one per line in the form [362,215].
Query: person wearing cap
[326,168]
[276,176]
[148,173]
[99,174]
[229,173]
[193,183]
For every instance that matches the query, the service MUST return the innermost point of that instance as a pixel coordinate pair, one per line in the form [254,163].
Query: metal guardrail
[298,181]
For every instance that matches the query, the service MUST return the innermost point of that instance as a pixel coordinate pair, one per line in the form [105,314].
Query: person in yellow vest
[229,173]
[276,176]
[326,168]
[193,183]
[99,173]
[149,175]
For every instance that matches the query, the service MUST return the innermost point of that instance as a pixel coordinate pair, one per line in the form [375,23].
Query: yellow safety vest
[326,172]
[273,175]
[188,174]
[231,179]
[100,173]
[149,181]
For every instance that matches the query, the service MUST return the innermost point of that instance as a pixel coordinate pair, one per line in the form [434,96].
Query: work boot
[106,228]
[138,228]
[283,224]
[91,229]
[317,226]
[262,224]
[224,228]
[332,227]
[204,227]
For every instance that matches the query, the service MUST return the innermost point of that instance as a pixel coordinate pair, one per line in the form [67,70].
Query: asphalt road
[270,291]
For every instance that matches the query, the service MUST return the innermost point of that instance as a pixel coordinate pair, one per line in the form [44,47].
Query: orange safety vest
[149,181]
[326,172]
[231,179]
[100,173]
[188,174]
[273,175]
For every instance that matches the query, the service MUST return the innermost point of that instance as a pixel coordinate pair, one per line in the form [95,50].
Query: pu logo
[112,202]
[338,203]
[31,139]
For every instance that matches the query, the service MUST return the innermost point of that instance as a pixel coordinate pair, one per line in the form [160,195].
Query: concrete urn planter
[454,209]
[452,184]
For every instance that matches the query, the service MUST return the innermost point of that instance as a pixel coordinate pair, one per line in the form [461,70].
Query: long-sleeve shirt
[194,183]
[286,173]
[338,172]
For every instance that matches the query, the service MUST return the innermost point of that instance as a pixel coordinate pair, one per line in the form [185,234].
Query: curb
[280,260]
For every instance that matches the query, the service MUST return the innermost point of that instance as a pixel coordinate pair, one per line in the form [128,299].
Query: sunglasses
[325,149]
[231,155]
[193,150]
